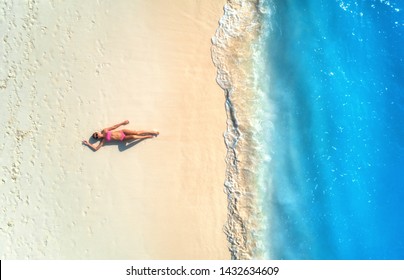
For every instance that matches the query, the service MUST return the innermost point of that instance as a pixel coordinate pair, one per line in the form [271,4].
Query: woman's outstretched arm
[116,126]
[95,148]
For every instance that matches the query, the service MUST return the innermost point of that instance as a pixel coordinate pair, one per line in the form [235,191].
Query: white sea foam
[236,52]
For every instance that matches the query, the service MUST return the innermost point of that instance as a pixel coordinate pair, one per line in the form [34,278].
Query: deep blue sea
[335,81]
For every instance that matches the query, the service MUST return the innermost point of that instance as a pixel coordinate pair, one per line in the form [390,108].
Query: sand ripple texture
[69,68]
[46,197]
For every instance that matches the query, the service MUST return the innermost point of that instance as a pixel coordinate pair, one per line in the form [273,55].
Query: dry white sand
[69,68]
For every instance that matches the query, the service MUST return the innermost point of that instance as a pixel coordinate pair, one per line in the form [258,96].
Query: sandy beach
[70,68]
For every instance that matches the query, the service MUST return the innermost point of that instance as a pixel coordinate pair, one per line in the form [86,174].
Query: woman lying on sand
[119,135]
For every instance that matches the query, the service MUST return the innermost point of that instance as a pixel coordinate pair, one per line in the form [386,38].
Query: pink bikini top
[108,137]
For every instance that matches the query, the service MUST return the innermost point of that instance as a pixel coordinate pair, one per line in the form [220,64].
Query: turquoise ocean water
[327,122]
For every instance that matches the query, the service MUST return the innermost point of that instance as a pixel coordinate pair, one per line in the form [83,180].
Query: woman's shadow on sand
[122,146]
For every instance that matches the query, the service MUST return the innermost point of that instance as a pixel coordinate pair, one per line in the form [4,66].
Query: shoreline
[234,55]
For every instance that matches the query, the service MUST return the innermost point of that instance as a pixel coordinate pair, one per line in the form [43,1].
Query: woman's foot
[156,133]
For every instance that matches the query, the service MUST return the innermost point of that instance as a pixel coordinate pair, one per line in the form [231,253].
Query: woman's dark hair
[95,135]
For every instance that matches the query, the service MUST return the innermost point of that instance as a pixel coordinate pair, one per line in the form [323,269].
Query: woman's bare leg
[134,137]
[146,132]
[129,132]
[140,132]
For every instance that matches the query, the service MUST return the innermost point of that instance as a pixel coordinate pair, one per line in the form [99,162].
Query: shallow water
[329,84]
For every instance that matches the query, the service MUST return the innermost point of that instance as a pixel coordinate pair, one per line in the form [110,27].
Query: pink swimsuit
[108,137]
